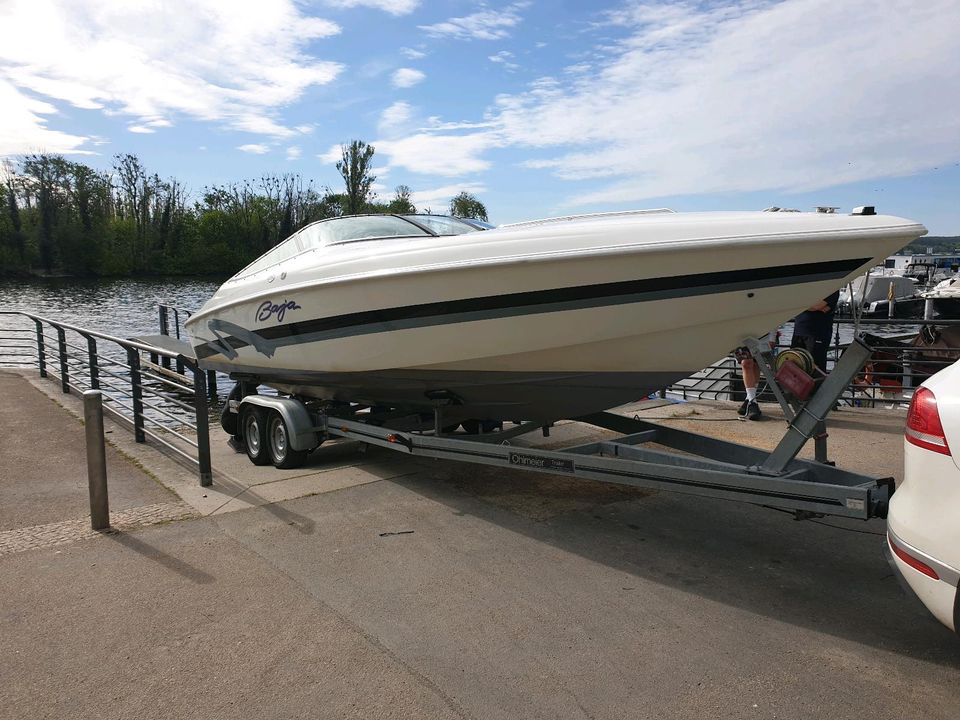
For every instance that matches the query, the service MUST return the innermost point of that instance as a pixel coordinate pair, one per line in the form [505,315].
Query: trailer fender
[300,426]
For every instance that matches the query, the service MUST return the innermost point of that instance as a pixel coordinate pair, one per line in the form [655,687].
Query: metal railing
[894,369]
[150,404]
[165,311]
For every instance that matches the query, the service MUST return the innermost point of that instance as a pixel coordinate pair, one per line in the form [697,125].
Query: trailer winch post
[808,421]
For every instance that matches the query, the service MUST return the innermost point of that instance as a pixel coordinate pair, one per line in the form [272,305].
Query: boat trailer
[683,462]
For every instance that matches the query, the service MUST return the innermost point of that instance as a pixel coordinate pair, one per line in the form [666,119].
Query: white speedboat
[533,321]
[946,298]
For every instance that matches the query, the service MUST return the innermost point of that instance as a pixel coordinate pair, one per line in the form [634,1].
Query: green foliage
[402,203]
[466,205]
[943,245]
[60,217]
[355,167]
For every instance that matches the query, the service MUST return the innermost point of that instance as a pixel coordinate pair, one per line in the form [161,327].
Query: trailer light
[913,562]
[392,438]
[924,428]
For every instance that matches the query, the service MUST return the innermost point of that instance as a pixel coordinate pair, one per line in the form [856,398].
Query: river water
[119,307]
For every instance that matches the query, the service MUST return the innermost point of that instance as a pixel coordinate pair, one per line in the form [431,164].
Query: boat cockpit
[358,228]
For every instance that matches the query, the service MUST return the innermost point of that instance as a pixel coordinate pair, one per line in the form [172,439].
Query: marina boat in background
[946,298]
[538,320]
[882,286]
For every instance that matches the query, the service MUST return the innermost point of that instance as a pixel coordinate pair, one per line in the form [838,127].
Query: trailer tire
[278,443]
[253,432]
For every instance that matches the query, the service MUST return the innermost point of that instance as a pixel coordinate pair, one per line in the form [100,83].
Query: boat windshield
[359,227]
[442,224]
[356,228]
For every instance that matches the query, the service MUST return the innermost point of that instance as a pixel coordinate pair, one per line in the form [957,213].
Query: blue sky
[539,108]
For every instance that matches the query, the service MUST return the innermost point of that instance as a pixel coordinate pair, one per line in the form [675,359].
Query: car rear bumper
[939,595]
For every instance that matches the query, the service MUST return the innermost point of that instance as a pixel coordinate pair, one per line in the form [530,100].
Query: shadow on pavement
[829,576]
[170,562]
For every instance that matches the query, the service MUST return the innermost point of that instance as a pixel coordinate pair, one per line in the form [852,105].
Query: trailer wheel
[253,431]
[278,442]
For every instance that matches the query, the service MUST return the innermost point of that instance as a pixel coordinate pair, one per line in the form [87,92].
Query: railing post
[212,386]
[176,325]
[164,330]
[64,371]
[164,320]
[96,460]
[203,425]
[133,360]
[94,363]
[41,349]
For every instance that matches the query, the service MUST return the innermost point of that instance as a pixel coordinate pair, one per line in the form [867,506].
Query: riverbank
[470,592]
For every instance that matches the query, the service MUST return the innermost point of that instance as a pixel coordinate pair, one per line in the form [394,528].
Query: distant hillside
[939,244]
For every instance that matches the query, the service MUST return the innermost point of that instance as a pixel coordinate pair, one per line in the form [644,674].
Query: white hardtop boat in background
[870,295]
[541,320]
[946,298]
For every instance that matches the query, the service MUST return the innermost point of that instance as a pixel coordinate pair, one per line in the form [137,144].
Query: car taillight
[923,423]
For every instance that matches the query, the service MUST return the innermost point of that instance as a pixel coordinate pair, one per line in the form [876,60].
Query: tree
[16,238]
[466,205]
[357,178]
[402,203]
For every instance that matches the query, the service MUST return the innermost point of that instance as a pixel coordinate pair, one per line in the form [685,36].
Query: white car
[923,523]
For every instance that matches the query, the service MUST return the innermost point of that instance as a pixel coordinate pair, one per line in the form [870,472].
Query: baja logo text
[268,309]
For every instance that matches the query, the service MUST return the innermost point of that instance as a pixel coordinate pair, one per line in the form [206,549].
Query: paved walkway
[43,475]
[451,591]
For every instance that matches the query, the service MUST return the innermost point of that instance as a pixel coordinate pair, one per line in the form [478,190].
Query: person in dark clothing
[812,329]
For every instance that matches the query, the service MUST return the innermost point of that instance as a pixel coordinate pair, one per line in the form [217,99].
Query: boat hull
[947,308]
[533,335]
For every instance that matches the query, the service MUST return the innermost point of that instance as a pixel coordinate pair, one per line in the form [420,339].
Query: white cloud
[406,77]
[438,199]
[254,148]
[740,96]
[333,155]
[434,154]
[505,58]
[304,129]
[483,25]
[394,7]
[395,117]
[23,126]
[294,152]
[412,53]
[203,59]
[142,129]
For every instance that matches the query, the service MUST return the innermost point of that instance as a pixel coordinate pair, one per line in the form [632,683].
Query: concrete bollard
[96,460]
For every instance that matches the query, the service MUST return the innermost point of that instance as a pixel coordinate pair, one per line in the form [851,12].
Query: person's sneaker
[743,408]
[753,411]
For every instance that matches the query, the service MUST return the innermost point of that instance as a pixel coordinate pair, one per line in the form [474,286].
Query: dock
[370,585]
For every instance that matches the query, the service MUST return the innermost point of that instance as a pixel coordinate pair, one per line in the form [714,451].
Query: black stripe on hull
[538,301]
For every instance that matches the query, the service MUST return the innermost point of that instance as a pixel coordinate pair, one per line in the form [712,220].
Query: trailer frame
[684,462]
